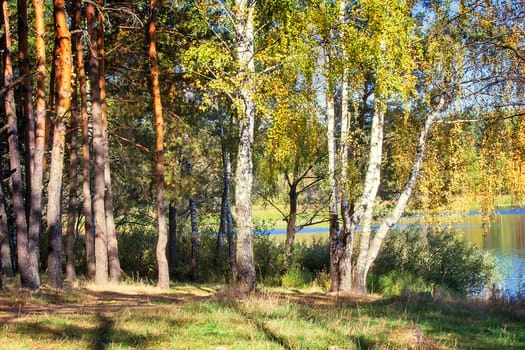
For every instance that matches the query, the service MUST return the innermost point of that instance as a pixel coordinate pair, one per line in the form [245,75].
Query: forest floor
[213,317]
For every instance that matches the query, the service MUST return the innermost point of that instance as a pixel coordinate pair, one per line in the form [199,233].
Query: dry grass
[207,317]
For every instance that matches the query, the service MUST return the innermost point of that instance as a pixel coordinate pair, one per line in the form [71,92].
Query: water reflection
[505,238]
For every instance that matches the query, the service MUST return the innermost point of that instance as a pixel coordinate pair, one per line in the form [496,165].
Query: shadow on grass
[103,332]
[99,337]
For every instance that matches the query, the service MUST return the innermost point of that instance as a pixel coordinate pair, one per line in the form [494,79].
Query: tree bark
[172,242]
[226,222]
[73,182]
[346,236]
[37,174]
[371,185]
[22,246]
[244,45]
[389,221]
[87,203]
[101,245]
[27,100]
[290,224]
[162,241]
[194,241]
[6,267]
[111,233]
[333,235]
[63,62]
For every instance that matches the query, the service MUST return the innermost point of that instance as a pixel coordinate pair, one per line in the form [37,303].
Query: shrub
[438,257]
[314,257]
[296,278]
[268,258]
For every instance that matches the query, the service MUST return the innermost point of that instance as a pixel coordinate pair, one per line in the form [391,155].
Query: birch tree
[244,48]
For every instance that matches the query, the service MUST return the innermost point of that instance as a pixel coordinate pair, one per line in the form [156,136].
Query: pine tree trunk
[27,100]
[162,240]
[6,267]
[172,241]
[63,69]
[99,212]
[22,246]
[194,241]
[73,183]
[87,165]
[244,30]
[111,233]
[37,176]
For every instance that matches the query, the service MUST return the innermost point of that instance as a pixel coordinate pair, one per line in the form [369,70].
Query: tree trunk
[346,236]
[101,246]
[333,235]
[63,69]
[162,241]
[225,226]
[244,30]
[6,267]
[73,182]
[89,226]
[194,241]
[173,257]
[371,185]
[375,244]
[290,225]
[27,101]
[111,233]
[37,174]
[22,246]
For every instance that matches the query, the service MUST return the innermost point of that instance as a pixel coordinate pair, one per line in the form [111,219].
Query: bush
[396,283]
[296,278]
[439,257]
[314,257]
[268,257]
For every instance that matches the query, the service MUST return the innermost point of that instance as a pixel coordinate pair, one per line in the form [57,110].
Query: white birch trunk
[244,45]
[371,186]
[402,201]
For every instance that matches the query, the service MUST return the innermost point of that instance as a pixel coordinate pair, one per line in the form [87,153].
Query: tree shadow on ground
[97,337]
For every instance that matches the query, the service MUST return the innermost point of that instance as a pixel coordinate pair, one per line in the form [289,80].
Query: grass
[206,317]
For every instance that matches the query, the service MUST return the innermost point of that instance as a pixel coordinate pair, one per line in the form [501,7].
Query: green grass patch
[271,319]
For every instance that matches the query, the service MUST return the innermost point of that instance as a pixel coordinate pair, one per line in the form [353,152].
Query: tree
[29,123]
[101,244]
[73,181]
[6,268]
[111,233]
[244,46]
[89,227]
[37,170]
[162,241]
[63,62]
[14,157]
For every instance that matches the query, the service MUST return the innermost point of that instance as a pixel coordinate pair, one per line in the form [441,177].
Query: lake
[504,238]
